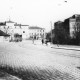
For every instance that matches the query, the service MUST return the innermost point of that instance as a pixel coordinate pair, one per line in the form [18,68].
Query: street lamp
[51,32]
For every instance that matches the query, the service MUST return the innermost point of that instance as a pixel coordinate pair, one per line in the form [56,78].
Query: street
[33,56]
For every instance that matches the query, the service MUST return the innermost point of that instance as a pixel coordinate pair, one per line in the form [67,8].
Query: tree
[61,36]
[78,37]
[48,36]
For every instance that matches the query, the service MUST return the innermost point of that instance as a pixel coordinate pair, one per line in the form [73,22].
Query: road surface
[37,56]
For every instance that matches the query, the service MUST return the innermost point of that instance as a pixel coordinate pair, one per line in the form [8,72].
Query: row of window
[39,30]
[36,33]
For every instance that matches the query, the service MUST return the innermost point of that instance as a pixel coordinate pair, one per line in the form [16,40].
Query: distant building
[71,25]
[74,23]
[26,31]
[36,32]
[12,28]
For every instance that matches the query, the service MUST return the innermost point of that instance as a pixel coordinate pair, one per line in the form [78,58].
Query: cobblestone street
[40,59]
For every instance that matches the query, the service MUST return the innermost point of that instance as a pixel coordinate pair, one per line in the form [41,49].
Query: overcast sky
[38,12]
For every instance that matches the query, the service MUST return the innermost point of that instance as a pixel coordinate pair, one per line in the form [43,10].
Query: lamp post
[51,32]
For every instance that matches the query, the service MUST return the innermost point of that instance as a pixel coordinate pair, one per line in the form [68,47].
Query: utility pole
[51,31]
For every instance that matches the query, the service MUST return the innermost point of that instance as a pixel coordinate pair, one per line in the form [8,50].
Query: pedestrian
[42,41]
[46,42]
[58,43]
[33,39]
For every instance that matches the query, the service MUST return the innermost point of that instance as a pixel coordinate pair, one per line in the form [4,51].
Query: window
[4,27]
[40,30]
[23,31]
[40,34]
[35,33]
[8,26]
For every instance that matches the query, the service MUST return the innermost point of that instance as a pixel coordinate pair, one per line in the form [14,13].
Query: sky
[38,12]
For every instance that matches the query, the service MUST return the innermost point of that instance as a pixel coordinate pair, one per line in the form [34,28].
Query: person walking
[42,41]
[46,42]
[33,39]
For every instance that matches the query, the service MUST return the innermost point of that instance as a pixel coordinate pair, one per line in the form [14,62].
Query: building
[72,27]
[36,32]
[12,28]
[26,31]
[74,24]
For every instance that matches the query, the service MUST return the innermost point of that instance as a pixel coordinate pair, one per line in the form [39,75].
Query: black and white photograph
[39,39]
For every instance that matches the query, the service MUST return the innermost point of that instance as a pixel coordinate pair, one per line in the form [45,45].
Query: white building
[17,28]
[12,28]
[36,32]
[26,31]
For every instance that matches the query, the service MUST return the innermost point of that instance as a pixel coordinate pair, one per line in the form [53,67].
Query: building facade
[74,24]
[26,31]
[72,27]
[12,28]
[36,32]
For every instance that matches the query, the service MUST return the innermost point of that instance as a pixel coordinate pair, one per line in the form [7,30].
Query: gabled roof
[3,34]
[24,25]
[35,27]
[10,21]
[19,25]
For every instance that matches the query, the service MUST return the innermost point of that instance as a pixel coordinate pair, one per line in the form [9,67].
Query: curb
[66,48]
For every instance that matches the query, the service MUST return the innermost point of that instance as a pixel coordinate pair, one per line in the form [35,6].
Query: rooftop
[24,25]
[17,24]
[35,27]
[10,21]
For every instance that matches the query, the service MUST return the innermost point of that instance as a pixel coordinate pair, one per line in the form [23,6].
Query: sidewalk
[66,47]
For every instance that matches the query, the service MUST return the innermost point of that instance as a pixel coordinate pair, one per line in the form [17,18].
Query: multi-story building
[72,27]
[74,24]
[12,28]
[26,31]
[36,32]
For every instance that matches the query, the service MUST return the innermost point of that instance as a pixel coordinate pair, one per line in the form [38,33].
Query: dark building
[2,23]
